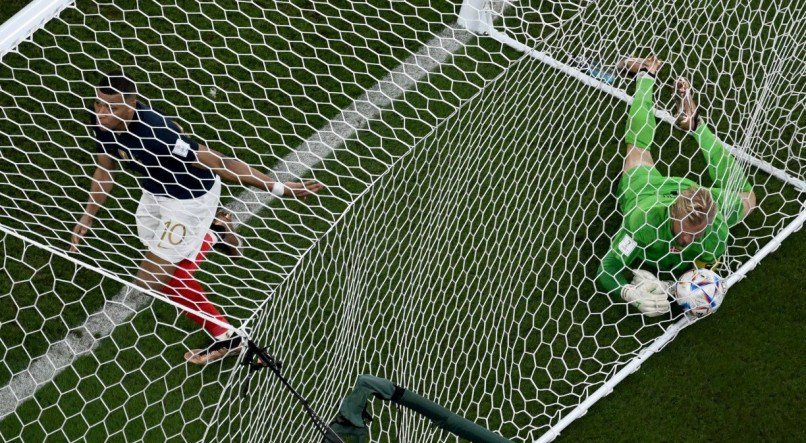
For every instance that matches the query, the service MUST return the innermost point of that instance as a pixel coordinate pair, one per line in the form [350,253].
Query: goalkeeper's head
[115,101]
[692,212]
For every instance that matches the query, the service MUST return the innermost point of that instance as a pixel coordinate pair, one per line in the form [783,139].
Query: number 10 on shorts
[174,233]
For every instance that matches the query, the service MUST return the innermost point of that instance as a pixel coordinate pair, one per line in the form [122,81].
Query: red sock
[185,290]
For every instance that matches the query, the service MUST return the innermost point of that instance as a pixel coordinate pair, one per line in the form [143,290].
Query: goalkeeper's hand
[641,277]
[647,297]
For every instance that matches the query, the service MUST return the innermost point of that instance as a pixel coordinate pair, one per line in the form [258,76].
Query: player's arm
[748,203]
[735,205]
[101,186]
[726,174]
[646,293]
[235,171]
[615,263]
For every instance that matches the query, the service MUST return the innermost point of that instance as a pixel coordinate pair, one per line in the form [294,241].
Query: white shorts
[174,229]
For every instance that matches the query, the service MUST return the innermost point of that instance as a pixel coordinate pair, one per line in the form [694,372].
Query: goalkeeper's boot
[687,111]
[228,242]
[631,66]
[216,351]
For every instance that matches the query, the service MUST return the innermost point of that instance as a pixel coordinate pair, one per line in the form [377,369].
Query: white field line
[83,339]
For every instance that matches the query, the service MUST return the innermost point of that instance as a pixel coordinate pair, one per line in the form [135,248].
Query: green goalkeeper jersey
[645,197]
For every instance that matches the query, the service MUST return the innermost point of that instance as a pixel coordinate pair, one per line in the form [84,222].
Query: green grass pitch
[733,377]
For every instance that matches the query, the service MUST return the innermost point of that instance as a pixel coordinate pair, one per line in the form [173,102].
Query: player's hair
[115,82]
[694,204]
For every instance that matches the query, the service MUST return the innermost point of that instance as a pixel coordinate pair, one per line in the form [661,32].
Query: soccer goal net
[470,194]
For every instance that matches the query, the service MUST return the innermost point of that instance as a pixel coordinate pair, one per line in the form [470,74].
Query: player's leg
[167,270]
[725,173]
[198,215]
[154,270]
[184,289]
[640,130]
[177,236]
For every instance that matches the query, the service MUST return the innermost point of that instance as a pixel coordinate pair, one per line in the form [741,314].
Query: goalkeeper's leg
[730,185]
[639,167]
[641,122]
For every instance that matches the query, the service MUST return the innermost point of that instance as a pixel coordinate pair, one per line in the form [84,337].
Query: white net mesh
[470,195]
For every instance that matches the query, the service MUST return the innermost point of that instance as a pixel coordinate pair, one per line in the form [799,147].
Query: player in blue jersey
[177,218]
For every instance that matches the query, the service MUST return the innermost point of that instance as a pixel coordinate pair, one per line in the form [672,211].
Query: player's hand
[647,298]
[83,225]
[302,189]
[641,277]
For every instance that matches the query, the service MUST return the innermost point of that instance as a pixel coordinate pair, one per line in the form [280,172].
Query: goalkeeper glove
[643,277]
[647,297]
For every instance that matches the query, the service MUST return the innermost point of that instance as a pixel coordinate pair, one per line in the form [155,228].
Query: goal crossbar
[623,96]
[34,16]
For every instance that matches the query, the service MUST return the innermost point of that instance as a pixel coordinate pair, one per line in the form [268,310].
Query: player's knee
[749,202]
[637,156]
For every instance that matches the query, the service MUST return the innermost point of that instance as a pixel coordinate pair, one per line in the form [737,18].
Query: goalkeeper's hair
[114,82]
[696,205]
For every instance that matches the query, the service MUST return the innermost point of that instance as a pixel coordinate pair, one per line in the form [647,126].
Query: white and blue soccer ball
[699,292]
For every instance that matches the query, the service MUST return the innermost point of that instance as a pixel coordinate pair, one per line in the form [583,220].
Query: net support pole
[23,24]
[351,422]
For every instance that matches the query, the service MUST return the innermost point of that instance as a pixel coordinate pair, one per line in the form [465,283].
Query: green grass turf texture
[758,413]
[32,321]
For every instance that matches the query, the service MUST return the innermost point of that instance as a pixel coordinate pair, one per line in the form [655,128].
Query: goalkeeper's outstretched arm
[646,292]
[621,254]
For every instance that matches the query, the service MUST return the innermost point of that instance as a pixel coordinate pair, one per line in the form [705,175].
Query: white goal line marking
[83,339]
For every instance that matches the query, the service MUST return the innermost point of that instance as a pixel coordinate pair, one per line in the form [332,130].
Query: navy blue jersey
[152,146]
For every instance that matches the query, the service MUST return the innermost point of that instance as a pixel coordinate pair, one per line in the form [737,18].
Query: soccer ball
[699,292]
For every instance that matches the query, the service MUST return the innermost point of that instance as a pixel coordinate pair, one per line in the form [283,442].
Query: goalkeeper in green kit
[670,223]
